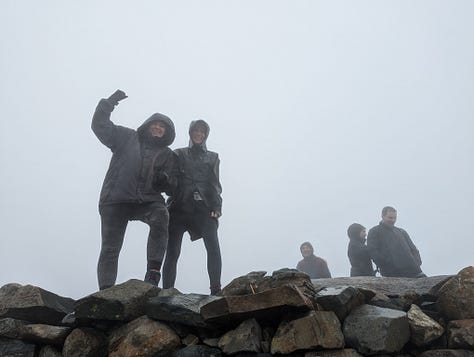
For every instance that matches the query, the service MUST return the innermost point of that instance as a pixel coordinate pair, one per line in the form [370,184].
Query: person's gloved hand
[115,98]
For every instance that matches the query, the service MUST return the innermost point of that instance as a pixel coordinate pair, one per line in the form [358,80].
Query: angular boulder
[143,337]
[341,300]
[33,304]
[179,308]
[456,296]
[268,305]
[123,302]
[49,351]
[422,327]
[246,337]
[14,348]
[319,329]
[85,342]
[348,352]
[461,334]
[375,330]
[197,351]
[447,353]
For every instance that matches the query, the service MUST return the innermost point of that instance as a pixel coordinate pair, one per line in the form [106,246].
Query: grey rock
[33,304]
[374,330]
[341,300]
[461,334]
[319,329]
[179,308]
[423,328]
[348,352]
[269,305]
[456,296]
[85,342]
[197,351]
[384,285]
[143,337]
[244,285]
[123,302]
[447,353]
[49,351]
[246,337]
[16,348]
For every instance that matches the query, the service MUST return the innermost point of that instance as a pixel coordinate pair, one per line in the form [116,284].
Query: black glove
[160,181]
[117,97]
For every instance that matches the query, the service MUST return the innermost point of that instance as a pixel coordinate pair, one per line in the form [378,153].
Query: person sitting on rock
[312,265]
[357,251]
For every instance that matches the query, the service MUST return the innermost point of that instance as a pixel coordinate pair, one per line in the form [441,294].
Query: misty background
[322,112]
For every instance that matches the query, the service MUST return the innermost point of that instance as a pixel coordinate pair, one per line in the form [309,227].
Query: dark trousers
[197,222]
[114,220]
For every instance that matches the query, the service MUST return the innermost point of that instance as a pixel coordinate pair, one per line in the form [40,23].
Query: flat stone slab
[384,285]
[268,305]
[179,308]
[123,302]
[33,304]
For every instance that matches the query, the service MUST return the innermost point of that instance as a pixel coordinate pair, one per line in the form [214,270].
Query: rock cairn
[255,315]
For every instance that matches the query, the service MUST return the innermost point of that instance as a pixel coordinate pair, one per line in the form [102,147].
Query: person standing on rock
[196,206]
[391,248]
[141,168]
[357,251]
[312,265]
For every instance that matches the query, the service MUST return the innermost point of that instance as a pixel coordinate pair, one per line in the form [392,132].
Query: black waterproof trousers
[199,222]
[114,219]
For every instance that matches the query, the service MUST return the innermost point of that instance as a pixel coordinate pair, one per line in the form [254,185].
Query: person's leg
[175,239]
[114,223]
[156,216]
[211,242]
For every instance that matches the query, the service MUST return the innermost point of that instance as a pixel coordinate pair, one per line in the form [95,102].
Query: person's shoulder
[375,229]
[181,151]
[213,154]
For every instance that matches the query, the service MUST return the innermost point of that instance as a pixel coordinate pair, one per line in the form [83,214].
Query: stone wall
[285,313]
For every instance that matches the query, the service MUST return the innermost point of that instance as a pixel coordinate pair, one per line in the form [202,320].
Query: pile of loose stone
[282,314]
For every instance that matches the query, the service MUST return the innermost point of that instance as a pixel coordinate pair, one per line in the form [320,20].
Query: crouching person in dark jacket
[196,206]
[141,168]
[357,251]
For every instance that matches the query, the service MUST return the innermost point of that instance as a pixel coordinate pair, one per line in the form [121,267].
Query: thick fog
[322,112]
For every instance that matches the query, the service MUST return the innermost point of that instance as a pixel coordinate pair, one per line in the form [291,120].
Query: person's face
[362,234]
[198,135]
[306,251]
[390,218]
[157,129]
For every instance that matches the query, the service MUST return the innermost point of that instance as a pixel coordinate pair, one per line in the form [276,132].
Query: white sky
[322,112]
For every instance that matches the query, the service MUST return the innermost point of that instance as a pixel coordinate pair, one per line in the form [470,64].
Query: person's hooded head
[198,134]
[306,249]
[356,232]
[157,130]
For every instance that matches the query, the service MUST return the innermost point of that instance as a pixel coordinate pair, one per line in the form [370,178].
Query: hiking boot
[152,277]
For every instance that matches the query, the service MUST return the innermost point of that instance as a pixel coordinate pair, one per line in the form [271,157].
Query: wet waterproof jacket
[359,256]
[393,251]
[198,172]
[314,266]
[137,159]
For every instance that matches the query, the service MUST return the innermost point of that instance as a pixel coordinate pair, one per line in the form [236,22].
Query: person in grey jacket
[196,206]
[357,251]
[391,248]
[141,168]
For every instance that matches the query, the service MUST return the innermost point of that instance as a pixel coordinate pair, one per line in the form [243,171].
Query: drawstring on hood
[167,138]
